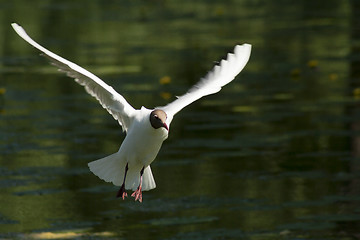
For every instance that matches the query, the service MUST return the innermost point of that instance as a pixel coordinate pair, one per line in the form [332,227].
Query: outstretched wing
[221,75]
[112,101]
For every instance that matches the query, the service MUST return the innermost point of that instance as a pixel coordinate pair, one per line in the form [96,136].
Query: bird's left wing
[112,101]
[221,75]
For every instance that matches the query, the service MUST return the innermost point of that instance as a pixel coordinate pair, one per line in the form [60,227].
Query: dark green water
[274,155]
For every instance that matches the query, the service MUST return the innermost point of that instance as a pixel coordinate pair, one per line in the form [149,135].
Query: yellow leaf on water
[313,63]
[356,93]
[165,95]
[165,80]
[2,91]
[333,76]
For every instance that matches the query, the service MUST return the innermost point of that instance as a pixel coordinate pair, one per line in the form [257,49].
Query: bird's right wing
[112,101]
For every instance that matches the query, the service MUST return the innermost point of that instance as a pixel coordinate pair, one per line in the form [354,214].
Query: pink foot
[121,193]
[137,194]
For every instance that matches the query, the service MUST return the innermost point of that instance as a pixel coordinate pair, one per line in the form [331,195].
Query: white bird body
[139,148]
[146,129]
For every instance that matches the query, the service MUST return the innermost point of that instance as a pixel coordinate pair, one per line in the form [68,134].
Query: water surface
[274,155]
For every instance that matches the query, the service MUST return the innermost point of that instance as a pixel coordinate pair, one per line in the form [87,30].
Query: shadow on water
[274,155]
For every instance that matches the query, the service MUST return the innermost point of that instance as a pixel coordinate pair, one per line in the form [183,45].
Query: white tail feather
[148,179]
[112,169]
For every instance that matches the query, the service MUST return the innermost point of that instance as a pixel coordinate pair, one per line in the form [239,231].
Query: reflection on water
[273,155]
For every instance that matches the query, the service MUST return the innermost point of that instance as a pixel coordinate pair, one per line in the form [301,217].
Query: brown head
[158,119]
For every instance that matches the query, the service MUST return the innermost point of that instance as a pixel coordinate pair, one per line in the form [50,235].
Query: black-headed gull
[146,129]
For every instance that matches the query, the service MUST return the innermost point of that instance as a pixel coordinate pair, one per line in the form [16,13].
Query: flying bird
[146,129]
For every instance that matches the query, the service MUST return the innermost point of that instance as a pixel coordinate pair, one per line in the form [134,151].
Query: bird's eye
[156,116]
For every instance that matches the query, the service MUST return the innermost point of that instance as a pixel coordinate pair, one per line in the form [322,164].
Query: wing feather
[109,99]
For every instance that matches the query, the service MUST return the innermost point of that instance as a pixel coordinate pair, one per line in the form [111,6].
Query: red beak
[166,126]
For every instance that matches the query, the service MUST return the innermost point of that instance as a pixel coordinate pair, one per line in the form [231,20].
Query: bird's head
[158,119]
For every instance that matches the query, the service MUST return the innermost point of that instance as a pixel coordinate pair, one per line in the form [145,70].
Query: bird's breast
[142,143]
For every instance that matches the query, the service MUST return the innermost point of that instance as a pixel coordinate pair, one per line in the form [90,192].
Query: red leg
[137,194]
[122,192]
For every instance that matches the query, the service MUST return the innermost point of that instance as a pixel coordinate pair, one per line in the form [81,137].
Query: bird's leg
[122,193]
[137,194]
